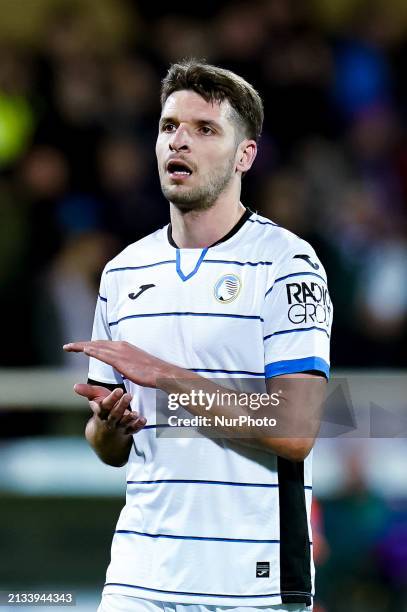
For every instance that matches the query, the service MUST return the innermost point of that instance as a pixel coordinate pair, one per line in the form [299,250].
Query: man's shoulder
[290,254]
[146,251]
[277,241]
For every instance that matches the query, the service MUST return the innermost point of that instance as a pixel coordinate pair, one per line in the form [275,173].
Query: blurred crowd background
[79,105]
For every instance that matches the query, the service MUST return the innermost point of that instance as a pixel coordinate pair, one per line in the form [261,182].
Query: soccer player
[209,523]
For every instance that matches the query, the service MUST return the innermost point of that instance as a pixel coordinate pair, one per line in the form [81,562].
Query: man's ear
[246,154]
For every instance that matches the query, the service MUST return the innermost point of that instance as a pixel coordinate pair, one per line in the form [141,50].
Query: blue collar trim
[195,270]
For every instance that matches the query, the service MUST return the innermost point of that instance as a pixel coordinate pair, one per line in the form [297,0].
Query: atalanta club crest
[227,288]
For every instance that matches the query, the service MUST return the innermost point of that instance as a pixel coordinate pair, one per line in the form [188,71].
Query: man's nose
[179,140]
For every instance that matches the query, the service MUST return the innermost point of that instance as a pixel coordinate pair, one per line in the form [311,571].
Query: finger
[136,425]
[104,350]
[117,411]
[126,419]
[75,347]
[89,345]
[91,392]
[97,411]
[102,408]
[109,402]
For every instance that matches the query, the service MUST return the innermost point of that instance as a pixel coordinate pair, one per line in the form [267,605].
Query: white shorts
[124,603]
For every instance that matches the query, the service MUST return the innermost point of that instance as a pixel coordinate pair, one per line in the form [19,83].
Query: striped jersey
[203,522]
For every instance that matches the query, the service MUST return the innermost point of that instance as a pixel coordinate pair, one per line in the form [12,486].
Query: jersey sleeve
[297,317]
[99,371]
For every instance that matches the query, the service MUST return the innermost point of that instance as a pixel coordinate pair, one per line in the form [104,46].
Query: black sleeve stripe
[295,551]
[106,385]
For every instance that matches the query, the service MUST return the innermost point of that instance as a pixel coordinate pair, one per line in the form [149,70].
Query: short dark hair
[216,84]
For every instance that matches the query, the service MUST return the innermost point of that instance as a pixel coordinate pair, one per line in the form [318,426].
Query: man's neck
[199,229]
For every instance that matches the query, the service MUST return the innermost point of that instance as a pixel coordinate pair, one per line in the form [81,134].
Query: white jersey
[204,523]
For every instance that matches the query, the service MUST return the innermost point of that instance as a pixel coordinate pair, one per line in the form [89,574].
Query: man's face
[196,150]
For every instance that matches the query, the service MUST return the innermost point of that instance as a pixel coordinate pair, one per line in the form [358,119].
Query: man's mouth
[178,169]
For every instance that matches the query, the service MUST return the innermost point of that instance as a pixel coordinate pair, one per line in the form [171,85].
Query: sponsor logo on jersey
[142,288]
[307,258]
[227,288]
[308,302]
[263,569]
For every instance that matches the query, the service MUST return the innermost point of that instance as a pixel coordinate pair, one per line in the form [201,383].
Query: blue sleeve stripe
[281,278]
[102,298]
[228,595]
[214,371]
[205,261]
[152,265]
[209,482]
[292,366]
[239,263]
[187,314]
[205,482]
[293,331]
[202,538]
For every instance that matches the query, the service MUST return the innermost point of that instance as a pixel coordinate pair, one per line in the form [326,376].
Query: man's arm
[110,429]
[297,414]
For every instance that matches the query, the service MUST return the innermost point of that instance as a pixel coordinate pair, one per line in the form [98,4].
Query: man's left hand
[133,363]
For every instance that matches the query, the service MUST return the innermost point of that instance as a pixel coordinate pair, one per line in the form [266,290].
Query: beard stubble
[201,197]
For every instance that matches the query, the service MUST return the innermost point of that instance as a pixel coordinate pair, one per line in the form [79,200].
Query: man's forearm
[111,445]
[299,409]
[296,409]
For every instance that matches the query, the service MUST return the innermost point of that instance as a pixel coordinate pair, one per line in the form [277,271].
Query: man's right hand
[111,428]
[113,407]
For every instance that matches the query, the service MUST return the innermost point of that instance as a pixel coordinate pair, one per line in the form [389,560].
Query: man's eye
[168,127]
[206,130]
